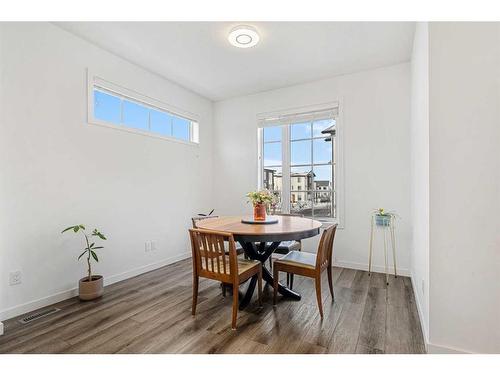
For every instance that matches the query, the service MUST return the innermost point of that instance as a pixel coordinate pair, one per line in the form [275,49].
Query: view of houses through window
[301,173]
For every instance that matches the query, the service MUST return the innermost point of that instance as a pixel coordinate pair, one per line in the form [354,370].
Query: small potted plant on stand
[383,218]
[91,286]
[260,199]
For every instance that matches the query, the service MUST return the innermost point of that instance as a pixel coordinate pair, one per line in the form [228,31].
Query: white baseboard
[1,328]
[442,349]
[108,280]
[364,267]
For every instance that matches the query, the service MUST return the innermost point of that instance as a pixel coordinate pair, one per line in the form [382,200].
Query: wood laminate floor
[151,313]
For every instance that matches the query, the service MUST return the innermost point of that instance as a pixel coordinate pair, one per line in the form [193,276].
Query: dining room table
[260,239]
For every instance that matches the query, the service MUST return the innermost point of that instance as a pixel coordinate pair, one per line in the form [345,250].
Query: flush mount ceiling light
[243,36]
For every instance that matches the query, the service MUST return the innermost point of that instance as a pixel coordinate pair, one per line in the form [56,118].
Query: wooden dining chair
[286,246]
[309,265]
[194,220]
[211,261]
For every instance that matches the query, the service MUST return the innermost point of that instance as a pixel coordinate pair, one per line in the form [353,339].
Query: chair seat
[243,265]
[239,249]
[299,258]
[287,246]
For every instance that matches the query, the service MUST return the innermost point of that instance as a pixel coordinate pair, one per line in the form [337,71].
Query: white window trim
[94,80]
[339,180]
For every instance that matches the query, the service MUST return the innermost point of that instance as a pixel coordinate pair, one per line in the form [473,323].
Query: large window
[298,163]
[127,110]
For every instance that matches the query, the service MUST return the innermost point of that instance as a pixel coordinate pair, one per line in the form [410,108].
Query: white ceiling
[198,56]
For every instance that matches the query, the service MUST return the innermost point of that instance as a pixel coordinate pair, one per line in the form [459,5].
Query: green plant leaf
[92,245]
[82,254]
[98,247]
[82,226]
[68,228]
[98,234]
[76,228]
[94,255]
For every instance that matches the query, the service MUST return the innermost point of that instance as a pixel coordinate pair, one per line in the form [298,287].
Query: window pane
[301,178]
[272,154]
[320,125]
[300,131]
[323,177]
[322,204]
[277,204]
[272,178]
[135,115]
[301,203]
[322,151]
[272,133]
[107,107]
[180,128]
[301,152]
[161,122]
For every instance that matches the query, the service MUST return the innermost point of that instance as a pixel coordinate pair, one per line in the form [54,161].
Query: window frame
[95,82]
[338,195]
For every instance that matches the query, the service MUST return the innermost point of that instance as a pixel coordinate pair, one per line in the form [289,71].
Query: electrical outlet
[15,278]
[154,245]
[147,246]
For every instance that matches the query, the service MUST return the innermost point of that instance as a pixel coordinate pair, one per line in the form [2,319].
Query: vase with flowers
[260,200]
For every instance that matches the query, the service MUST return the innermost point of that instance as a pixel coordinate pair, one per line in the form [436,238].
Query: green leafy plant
[90,249]
[260,197]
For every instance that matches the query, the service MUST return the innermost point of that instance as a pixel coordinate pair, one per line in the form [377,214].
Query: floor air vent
[29,318]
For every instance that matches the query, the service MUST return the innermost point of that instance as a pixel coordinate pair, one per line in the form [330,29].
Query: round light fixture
[243,36]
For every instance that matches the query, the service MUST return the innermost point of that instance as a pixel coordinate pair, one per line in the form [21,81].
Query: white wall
[465,186]
[376,124]
[56,170]
[420,172]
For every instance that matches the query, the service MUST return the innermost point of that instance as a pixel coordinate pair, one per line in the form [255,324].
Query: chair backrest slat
[210,258]
[325,247]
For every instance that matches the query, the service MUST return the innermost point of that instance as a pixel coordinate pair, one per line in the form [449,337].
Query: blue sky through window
[161,122]
[180,128]
[107,107]
[118,111]
[135,115]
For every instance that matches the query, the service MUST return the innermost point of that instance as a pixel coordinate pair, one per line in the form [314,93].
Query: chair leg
[235,305]
[275,286]
[195,293]
[318,295]
[223,286]
[330,283]
[291,281]
[271,262]
[288,279]
[259,285]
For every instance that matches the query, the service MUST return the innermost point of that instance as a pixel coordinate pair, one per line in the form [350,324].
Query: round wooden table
[259,241]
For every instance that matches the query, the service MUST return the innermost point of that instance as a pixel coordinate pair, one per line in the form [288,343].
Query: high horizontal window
[123,109]
[298,163]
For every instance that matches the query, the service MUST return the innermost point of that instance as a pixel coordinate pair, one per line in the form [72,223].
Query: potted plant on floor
[91,286]
[260,199]
[383,218]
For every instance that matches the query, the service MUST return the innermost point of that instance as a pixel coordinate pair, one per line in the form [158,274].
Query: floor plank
[151,313]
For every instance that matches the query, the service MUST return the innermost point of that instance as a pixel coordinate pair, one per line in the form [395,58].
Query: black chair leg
[291,281]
